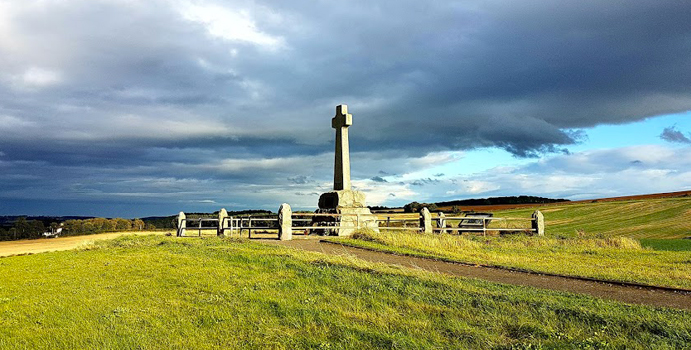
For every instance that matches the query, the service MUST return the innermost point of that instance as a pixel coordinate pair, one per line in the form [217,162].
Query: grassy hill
[643,218]
[588,239]
[165,292]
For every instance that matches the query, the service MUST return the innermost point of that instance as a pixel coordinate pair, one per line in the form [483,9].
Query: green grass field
[673,245]
[156,292]
[613,258]
[630,241]
[646,218]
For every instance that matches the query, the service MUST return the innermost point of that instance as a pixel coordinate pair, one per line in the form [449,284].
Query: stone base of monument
[354,214]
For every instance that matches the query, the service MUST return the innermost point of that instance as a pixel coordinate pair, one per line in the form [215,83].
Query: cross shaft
[341,122]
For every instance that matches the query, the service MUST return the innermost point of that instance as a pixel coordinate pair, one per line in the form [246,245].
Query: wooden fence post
[285,222]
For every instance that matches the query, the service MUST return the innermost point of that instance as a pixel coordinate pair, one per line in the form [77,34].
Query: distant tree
[412,207]
[21,228]
[111,225]
[24,228]
[88,226]
[99,224]
[123,224]
[415,207]
[72,227]
[36,228]
[138,224]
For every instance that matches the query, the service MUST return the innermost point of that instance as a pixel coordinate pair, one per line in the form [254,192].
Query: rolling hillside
[639,218]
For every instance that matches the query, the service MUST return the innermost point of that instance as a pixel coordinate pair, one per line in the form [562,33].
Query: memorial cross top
[341,122]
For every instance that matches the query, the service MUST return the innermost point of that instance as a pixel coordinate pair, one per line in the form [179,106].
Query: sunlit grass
[646,218]
[163,292]
[611,258]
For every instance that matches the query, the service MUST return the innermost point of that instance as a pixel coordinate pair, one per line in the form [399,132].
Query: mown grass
[612,258]
[646,218]
[675,245]
[161,292]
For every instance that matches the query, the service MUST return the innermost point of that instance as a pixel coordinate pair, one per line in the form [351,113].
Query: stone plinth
[353,219]
[342,199]
[351,205]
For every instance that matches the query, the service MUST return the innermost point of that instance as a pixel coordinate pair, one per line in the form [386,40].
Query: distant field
[614,258]
[33,246]
[583,239]
[644,218]
[497,207]
[157,292]
[673,245]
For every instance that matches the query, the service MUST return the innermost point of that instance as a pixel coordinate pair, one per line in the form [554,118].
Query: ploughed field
[156,292]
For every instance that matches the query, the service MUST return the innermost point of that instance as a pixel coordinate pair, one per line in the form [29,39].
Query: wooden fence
[286,223]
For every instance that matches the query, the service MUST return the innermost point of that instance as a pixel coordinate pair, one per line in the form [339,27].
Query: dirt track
[32,246]
[601,290]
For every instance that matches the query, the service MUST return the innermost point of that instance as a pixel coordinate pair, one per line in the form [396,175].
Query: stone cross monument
[341,122]
[343,200]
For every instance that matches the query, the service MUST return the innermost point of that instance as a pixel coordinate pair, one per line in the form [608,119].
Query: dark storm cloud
[163,100]
[299,180]
[422,182]
[378,179]
[671,134]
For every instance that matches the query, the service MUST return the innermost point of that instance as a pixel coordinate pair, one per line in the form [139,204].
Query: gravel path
[633,295]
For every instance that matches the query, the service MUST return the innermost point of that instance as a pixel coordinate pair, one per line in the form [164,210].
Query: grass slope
[613,258]
[645,218]
[161,292]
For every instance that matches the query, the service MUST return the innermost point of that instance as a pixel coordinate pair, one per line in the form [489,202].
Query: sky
[141,108]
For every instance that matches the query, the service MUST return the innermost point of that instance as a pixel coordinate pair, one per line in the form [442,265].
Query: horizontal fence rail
[285,223]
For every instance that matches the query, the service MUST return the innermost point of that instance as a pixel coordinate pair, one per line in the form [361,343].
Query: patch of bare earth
[33,246]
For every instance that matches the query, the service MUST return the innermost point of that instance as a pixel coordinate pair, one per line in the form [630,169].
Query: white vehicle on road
[53,233]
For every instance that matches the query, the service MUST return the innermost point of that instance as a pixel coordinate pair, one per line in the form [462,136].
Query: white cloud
[37,77]
[10,123]
[435,159]
[229,24]
[283,164]
[476,186]
[379,193]
[595,173]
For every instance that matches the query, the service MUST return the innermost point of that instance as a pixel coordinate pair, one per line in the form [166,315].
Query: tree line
[30,229]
